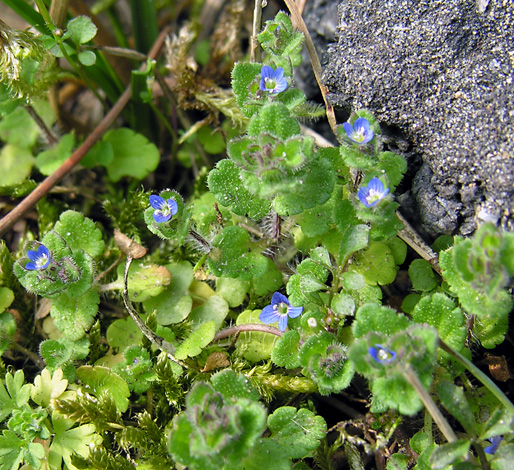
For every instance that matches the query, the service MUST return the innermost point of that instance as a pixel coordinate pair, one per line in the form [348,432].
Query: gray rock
[439,73]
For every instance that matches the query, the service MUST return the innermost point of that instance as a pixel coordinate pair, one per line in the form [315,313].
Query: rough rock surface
[440,74]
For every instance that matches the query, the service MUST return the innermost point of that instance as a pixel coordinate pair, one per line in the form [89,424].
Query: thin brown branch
[44,187]
[313,56]
[242,328]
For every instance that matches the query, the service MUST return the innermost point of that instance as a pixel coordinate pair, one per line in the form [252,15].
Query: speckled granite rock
[440,73]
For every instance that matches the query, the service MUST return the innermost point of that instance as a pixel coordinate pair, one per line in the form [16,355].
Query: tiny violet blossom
[360,132]
[164,209]
[39,259]
[279,310]
[272,81]
[371,194]
[381,355]
[495,443]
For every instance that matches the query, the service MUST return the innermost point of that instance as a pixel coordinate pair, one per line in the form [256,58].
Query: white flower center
[270,83]
[383,355]
[41,261]
[373,196]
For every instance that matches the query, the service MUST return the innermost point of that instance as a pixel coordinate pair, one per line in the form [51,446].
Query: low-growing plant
[263,295]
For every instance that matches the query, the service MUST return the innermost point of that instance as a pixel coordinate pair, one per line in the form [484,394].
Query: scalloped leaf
[196,341]
[134,155]
[299,431]
[80,233]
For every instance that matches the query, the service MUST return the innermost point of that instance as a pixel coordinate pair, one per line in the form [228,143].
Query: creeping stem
[159,342]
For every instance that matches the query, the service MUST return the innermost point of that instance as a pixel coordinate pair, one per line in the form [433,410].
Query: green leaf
[232,290]
[134,155]
[18,128]
[74,316]
[215,309]
[225,183]
[50,160]
[196,341]
[456,403]
[101,154]
[274,119]
[268,454]
[80,233]
[15,164]
[376,264]
[270,281]
[174,304]
[81,29]
[122,333]
[355,238]
[394,166]
[14,451]
[87,58]
[211,140]
[299,431]
[422,275]
[441,312]
[375,318]
[14,394]
[68,441]
[102,380]
[313,186]
[232,256]
[448,454]
[6,298]
[343,305]
[285,352]
[233,386]
[254,346]
[145,280]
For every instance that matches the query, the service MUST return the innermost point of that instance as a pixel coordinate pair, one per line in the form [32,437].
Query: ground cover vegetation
[203,282]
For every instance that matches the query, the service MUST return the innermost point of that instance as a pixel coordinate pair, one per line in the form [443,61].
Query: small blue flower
[279,310]
[495,443]
[164,209]
[272,81]
[371,194]
[360,132]
[381,355]
[39,259]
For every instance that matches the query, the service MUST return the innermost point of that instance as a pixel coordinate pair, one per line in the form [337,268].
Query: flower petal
[160,218]
[279,298]
[376,185]
[269,315]
[282,323]
[381,355]
[31,266]
[32,255]
[280,86]
[348,128]
[279,74]
[157,202]
[294,312]
[267,72]
[363,194]
[172,204]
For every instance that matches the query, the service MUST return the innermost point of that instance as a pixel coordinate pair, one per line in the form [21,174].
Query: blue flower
[164,209]
[279,310]
[381,355]
[360,132]
[39,259]
[371,194]
[272,81]
[495,443]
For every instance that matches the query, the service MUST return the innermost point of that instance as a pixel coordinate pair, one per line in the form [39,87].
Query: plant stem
[436,414]
[52,140]
[159,342]
[255,50]
[241,328]
[486,381]
[313,56]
